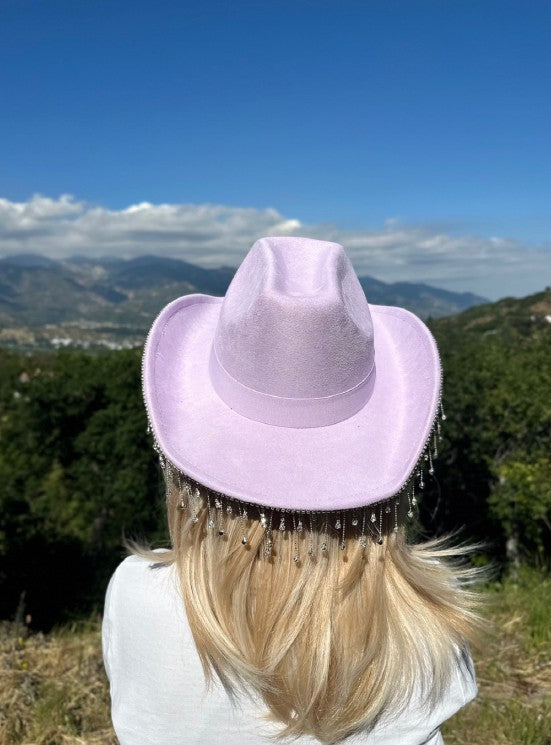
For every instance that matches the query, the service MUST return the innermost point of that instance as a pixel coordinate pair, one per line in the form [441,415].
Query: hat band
[283,411]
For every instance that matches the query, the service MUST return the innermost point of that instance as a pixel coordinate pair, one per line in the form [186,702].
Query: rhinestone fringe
[372,522]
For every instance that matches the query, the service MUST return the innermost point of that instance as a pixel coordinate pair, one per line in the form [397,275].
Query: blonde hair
[333,641]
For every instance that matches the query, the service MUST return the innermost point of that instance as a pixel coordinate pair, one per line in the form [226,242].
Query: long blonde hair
[330,642]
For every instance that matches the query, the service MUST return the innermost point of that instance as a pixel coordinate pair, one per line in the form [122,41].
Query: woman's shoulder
[142,602]
[140,580]
[134,562]
[148,654]
[140,597]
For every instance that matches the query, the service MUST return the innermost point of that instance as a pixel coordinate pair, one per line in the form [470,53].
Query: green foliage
[496,478]
[521,501]
[76,469]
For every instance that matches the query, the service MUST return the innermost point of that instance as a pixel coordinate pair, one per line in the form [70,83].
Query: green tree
[76,470]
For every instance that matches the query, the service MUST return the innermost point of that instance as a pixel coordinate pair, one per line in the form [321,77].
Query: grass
[53,689]
[513,669]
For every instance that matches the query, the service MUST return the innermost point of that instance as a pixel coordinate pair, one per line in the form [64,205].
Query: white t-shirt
[158,691]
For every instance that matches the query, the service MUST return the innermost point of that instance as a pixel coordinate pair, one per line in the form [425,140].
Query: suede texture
[292,391]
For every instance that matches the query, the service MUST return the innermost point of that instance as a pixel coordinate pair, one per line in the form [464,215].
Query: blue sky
[345,118]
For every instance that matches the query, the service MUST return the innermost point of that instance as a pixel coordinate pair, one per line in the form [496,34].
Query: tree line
[77,468]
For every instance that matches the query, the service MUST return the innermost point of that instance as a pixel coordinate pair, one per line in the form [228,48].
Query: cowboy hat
[292,391]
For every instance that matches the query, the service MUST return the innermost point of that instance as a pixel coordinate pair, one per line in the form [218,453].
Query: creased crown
[294,328]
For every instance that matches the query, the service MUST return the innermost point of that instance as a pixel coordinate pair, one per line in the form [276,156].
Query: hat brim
[355,462]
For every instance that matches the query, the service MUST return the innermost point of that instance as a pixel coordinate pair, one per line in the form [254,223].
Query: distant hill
[509,318]
[423,300]
[113,301]
[35,290]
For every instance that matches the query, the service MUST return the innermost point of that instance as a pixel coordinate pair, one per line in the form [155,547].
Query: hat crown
[295,322]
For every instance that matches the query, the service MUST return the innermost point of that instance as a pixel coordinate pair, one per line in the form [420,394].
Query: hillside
[507,318]
[112,302]
[423,300]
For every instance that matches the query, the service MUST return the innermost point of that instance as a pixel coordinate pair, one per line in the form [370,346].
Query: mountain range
[112,302]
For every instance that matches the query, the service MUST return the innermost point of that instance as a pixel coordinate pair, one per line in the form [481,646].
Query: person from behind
[296,425]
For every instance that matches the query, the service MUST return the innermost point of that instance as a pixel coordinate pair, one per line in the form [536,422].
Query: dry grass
[53,689]
[513,668]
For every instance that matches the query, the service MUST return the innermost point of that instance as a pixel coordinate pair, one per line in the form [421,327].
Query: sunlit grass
[53,689]
[513,668]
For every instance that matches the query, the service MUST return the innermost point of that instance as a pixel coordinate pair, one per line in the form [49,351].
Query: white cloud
[213,235]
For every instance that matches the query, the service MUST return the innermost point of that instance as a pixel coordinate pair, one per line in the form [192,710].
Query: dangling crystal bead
[431,467]
[324,546]
[338,524]
[211,523]
[373,517]
[299,526]
[243,540]
[354,521]
[282,524]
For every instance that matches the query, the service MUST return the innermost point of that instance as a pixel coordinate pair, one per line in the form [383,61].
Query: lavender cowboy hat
[292,391]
